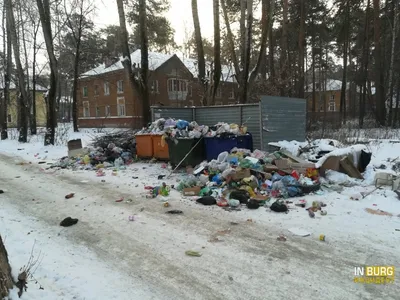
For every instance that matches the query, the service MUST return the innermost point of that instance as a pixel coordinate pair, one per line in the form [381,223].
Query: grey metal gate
[283,119]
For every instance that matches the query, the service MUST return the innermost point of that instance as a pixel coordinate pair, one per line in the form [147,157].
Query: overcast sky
[180,16]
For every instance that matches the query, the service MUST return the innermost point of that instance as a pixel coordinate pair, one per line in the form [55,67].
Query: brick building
[105,96]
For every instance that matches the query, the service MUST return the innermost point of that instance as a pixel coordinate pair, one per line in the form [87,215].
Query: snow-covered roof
[227,71]
[39,88]
[156,60]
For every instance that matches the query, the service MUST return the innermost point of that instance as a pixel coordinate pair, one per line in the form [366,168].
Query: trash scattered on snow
[67,222]
[299,232]
[193,253]
[174,212]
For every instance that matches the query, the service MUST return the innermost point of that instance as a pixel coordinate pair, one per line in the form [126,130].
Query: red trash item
[295,174]
[222,203]
[69,196]
[119,200]
[147,187]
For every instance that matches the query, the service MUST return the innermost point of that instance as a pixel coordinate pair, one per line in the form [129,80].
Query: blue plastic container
[245,142]
[216,145]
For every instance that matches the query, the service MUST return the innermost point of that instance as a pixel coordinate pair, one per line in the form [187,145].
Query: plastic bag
[222,157]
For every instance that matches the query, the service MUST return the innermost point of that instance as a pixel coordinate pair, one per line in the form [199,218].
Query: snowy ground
[106,256]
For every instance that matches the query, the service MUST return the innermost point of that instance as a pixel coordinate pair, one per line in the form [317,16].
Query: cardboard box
[193,191]
[240,174]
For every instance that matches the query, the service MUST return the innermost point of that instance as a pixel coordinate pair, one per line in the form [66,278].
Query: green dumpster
[180,147]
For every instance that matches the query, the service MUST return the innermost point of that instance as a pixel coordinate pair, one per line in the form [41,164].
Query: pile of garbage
[108,151]
[251,179]
[184,129]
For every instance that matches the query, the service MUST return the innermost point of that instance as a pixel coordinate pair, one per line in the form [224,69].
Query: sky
[180,16]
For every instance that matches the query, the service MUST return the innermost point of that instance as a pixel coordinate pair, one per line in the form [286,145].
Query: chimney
[110,60]
[107,62]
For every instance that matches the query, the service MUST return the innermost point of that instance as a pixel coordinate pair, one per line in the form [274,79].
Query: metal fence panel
[283,119]
[251,118]
[186,113]
[249,114]
[212,115]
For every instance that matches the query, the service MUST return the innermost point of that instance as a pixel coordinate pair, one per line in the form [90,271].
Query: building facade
[106,98]
[12,109]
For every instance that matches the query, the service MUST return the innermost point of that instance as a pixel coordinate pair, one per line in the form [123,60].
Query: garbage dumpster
[178,148]
[160,148]
[144,146]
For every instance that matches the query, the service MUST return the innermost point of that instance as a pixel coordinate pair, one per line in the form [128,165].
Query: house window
[121,107]
[107,111]
[232,94]
[154,86]
[96,90]
[85,91]
[176,85]
[332,98]
[106,88]
[331,106]
[86,110]
[97,111]
[9,119]
[120,86]
[218,94]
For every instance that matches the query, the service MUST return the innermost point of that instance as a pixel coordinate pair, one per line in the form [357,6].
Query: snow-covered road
[106,256]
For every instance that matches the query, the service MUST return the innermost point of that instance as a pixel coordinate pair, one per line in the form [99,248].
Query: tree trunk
[243,97]
[242,34]
[22,97]
[45,19]
[379,83]
[389,95]
[144,69]
[28,99]
[7,52]
[267,8]
[302,47]
[6,281]
[231,42]
[345,57]
[33,124]
[217,51]
[284,47]
[201,63]
[364,67]
[139,86]
[75,86]
[314,96]
[271,44]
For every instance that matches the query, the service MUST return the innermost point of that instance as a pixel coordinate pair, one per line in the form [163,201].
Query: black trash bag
[278,207]
[207,200]
[253,204]
[241,195]
[365,159]
[67,222]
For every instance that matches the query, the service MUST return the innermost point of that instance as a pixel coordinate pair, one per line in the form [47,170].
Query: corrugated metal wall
[283,119]
[172,112]
[249,114]
[273,119]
